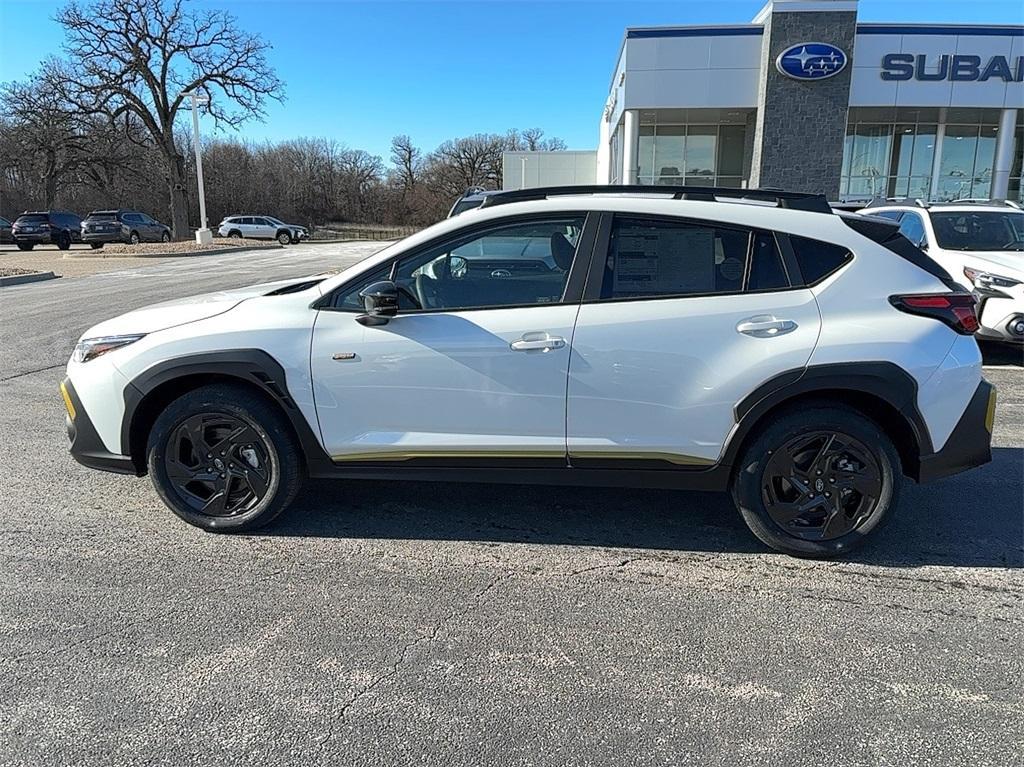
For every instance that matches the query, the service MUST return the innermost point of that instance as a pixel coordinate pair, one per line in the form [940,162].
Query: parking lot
[464,624]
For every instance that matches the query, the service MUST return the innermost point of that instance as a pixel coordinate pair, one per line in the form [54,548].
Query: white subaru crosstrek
[981,245]
[616,336]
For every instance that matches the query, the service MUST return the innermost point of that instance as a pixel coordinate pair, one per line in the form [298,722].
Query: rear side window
[649,258]
[817,259]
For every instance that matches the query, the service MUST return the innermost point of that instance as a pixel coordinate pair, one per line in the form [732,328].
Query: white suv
[981,244]
[262,228]
[665,337]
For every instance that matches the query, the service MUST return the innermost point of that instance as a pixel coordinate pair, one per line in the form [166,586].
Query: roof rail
[984,201]
[814,203]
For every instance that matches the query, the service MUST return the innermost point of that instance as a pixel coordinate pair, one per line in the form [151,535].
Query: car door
[475,363]
[263,228]
[681,320]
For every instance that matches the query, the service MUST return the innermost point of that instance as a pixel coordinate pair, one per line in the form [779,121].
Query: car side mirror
[380,300]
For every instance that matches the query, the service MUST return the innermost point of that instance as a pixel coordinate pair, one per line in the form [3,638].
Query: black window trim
[595,276]
[574,285]
[783,238]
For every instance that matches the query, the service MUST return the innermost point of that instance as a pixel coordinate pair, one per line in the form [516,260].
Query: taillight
[958,310]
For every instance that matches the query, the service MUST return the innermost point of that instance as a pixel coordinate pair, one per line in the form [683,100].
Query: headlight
[987,281]
[91,348]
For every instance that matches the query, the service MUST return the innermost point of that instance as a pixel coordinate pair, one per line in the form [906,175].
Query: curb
[214,252]
[23,279]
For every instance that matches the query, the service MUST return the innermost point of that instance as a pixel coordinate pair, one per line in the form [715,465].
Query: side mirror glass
[380,300]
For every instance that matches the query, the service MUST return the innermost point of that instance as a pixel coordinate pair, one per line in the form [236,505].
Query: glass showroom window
[1016,190]
[699,155]
[889,152]
[965,168]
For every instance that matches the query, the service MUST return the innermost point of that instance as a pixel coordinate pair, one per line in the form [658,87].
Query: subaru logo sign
[811,61]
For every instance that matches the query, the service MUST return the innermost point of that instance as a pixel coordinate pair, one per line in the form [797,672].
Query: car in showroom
[262,228]
[128,226]
[46,227]
[690,338]
[981,244]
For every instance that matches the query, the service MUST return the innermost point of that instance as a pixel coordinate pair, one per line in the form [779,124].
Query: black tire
[235,234]
[266,457]
[95,245]
[284,237]
[824,527]
[165,237]
[64,241]
[26,245]
[134,239]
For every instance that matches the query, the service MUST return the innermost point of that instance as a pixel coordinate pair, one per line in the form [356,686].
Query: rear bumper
[35,238]
[103,237]
[86,446]
[970,443]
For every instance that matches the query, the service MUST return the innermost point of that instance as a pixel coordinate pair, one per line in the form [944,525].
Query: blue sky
[361,72]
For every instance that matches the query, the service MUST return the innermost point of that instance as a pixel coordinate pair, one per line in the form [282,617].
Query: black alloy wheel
[165,237]
[133,238]
[218,464]
[821,486]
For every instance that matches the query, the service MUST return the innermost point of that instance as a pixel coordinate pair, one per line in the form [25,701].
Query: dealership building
[809,97]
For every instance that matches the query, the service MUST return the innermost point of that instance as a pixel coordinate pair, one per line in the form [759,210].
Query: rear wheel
[133,238]
[64,241]
[26,245]
[165,237]
[95,245]
[224,459]
[817,482]
[235,234]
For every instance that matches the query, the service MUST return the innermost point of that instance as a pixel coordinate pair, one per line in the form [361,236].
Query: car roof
[944,207]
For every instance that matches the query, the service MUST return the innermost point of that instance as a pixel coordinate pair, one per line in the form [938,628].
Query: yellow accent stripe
[676,458]
[406,455]
[990,414]
[67,400]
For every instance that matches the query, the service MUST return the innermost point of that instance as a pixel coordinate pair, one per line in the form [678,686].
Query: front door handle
[765,326]
[537,341]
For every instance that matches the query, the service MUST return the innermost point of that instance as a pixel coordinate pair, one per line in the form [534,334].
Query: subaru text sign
[954,67]
[811,61]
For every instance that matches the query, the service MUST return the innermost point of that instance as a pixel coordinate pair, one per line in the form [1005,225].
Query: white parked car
[981,245]
[669,338]
[262,228]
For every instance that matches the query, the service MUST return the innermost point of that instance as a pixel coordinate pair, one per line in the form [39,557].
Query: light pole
[203,236]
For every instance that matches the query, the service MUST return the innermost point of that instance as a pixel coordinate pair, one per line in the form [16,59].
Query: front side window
[521,264]
[649,258]
[979,230]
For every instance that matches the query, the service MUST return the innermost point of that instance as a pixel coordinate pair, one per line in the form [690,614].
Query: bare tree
[407,160]
[134,59]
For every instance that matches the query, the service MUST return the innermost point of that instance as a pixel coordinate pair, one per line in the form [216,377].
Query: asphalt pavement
[406,623]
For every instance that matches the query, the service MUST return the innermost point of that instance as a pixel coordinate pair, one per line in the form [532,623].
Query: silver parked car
[262,228]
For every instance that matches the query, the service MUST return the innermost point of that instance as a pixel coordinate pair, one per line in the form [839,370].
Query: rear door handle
[537,341]
[765,326]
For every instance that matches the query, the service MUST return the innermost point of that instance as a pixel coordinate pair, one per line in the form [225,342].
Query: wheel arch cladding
[882,391]
[151,391]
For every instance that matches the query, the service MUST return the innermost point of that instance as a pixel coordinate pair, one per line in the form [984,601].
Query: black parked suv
[131,226]
[5,231]
[42,227]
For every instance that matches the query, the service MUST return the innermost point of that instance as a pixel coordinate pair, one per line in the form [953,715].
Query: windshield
[979,230]
[463,205]
[275,221]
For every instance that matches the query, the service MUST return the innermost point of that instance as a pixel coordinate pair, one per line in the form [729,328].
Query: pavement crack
[403,656]
[32,372]
[609,566]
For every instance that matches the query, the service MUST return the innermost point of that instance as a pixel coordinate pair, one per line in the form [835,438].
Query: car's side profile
[660,337]
[262,228]
[128,226]
[981,245]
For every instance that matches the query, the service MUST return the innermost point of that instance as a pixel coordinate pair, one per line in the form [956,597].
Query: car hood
[1009,263]
[169,314]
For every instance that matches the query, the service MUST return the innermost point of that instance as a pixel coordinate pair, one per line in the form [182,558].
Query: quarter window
[912,227]
[817,259]
[766,269]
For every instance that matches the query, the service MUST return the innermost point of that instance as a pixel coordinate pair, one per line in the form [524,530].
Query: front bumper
[86,446]
[1001,317]
[970,443]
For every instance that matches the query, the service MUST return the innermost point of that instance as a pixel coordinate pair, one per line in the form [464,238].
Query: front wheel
[95,245]
[284,238]
[133,238]
[64,241]
[224,459]
[818,481]
[165,237]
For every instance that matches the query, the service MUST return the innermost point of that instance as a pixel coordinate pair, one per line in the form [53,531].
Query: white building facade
[809,97]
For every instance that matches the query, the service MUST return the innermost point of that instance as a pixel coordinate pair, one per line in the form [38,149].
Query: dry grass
[183,247]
